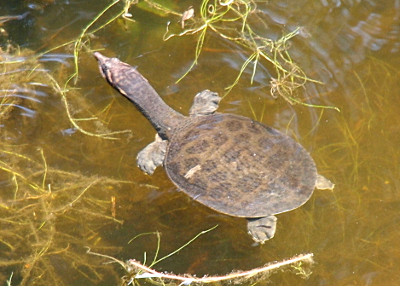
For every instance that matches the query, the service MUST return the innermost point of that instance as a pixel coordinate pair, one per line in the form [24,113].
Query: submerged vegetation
[41,206]
[136,271]
[237,21]
[40,215]
[49,214]
[234,21]
[50,210]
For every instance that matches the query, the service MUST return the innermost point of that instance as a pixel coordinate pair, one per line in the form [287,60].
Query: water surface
[59,184]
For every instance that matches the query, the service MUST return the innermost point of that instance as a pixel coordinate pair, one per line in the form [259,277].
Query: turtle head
[131,84]
[103,67]
[114,71]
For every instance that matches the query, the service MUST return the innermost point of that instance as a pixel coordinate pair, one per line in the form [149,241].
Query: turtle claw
[152,155]
[205,103]
[262,229]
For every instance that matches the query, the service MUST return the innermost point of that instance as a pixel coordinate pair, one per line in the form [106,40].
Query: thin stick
[150,273]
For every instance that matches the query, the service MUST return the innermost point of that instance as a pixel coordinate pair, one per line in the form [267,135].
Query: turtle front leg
[205,103]
[262,229]
[152,156]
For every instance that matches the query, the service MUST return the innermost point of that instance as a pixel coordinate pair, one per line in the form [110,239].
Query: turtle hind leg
[205,103]
[262,229]
[323,183]
[152,155]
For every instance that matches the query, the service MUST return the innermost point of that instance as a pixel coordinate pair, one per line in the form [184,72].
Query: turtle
[229,163]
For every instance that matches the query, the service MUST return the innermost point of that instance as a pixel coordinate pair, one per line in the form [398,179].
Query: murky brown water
[58,183]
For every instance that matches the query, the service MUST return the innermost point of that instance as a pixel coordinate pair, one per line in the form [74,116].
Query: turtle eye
[107,74]
[102,68]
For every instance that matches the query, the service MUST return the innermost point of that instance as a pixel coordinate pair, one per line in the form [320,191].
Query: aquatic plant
[137,271]
[40,205]
[231,20]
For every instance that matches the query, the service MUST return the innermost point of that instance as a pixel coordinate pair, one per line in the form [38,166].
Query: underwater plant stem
[85,32]
[183,246]
[73,120]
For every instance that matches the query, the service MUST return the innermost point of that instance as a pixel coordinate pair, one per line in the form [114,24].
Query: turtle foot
[323,183]
[152,156]
[205,103]
[262,229]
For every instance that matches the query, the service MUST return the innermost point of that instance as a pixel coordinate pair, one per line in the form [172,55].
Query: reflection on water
[62,189]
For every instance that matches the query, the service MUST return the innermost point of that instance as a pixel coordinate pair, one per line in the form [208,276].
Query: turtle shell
[240,167]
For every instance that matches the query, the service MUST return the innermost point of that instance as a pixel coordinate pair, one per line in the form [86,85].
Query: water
[58,184]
